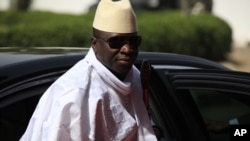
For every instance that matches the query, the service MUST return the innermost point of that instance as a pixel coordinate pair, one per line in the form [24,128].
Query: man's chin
[123,69]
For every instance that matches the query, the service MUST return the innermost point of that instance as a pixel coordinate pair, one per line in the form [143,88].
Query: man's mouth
[124,60]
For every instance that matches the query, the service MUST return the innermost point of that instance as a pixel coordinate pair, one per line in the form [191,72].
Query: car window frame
[181,125]
[179,80]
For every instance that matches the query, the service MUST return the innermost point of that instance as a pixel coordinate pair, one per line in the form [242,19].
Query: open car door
[197,104]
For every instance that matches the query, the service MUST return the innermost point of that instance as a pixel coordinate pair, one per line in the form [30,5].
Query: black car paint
[177,116]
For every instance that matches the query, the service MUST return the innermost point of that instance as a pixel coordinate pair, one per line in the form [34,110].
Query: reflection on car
[190,98]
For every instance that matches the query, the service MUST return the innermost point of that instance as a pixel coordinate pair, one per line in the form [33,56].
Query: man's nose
[126,47]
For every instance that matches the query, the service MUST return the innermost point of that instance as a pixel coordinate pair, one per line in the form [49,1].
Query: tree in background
[187,6]
[22,5]
[195,6]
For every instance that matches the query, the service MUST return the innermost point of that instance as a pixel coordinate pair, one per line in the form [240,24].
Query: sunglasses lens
[118,41]
[135,41]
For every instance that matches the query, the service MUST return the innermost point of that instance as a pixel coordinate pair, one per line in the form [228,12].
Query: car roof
[15,55]
[19,62]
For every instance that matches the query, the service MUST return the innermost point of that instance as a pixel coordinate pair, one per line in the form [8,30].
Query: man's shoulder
[76,76]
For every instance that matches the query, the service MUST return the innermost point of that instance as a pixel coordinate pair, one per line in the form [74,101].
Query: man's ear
[93,43]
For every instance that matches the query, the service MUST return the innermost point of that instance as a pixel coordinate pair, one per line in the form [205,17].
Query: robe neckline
[124,87]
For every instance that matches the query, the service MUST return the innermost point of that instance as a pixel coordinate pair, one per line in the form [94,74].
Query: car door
[197,104]
[18,101]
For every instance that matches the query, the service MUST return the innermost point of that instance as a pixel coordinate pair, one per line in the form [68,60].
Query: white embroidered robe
[89,103]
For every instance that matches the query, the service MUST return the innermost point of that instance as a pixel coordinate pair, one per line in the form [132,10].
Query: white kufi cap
[115,16]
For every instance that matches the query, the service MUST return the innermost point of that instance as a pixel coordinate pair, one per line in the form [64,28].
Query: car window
[220,109]
[204,102]
[14,118]
[17,108]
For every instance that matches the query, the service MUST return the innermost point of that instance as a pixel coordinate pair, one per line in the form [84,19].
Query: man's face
[116,51]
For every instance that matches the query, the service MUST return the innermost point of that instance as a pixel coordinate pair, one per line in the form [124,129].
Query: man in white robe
[100,97]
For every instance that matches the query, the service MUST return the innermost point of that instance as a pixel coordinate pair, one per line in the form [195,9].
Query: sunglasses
[116,42]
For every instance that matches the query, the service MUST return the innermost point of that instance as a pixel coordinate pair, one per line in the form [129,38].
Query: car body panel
[176,110]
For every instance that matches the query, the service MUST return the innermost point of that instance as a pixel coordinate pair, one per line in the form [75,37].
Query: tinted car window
[200,103]
[14,118]
[18,105]
[220,109]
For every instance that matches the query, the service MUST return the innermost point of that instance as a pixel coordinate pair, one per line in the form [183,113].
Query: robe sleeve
[58,117]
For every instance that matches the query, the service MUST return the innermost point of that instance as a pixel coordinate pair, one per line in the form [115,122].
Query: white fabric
[89,103]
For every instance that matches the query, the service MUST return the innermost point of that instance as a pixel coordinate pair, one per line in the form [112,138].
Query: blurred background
[213,29]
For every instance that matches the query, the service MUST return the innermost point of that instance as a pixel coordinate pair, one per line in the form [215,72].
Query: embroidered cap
[115,16]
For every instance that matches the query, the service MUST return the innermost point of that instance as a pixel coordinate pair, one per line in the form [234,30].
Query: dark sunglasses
[116,42]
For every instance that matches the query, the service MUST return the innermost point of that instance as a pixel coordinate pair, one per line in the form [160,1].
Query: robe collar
[124,87]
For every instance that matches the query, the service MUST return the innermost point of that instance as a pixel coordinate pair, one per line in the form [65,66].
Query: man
[99,98]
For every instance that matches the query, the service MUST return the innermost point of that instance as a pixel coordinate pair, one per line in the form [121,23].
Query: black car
[190,98]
